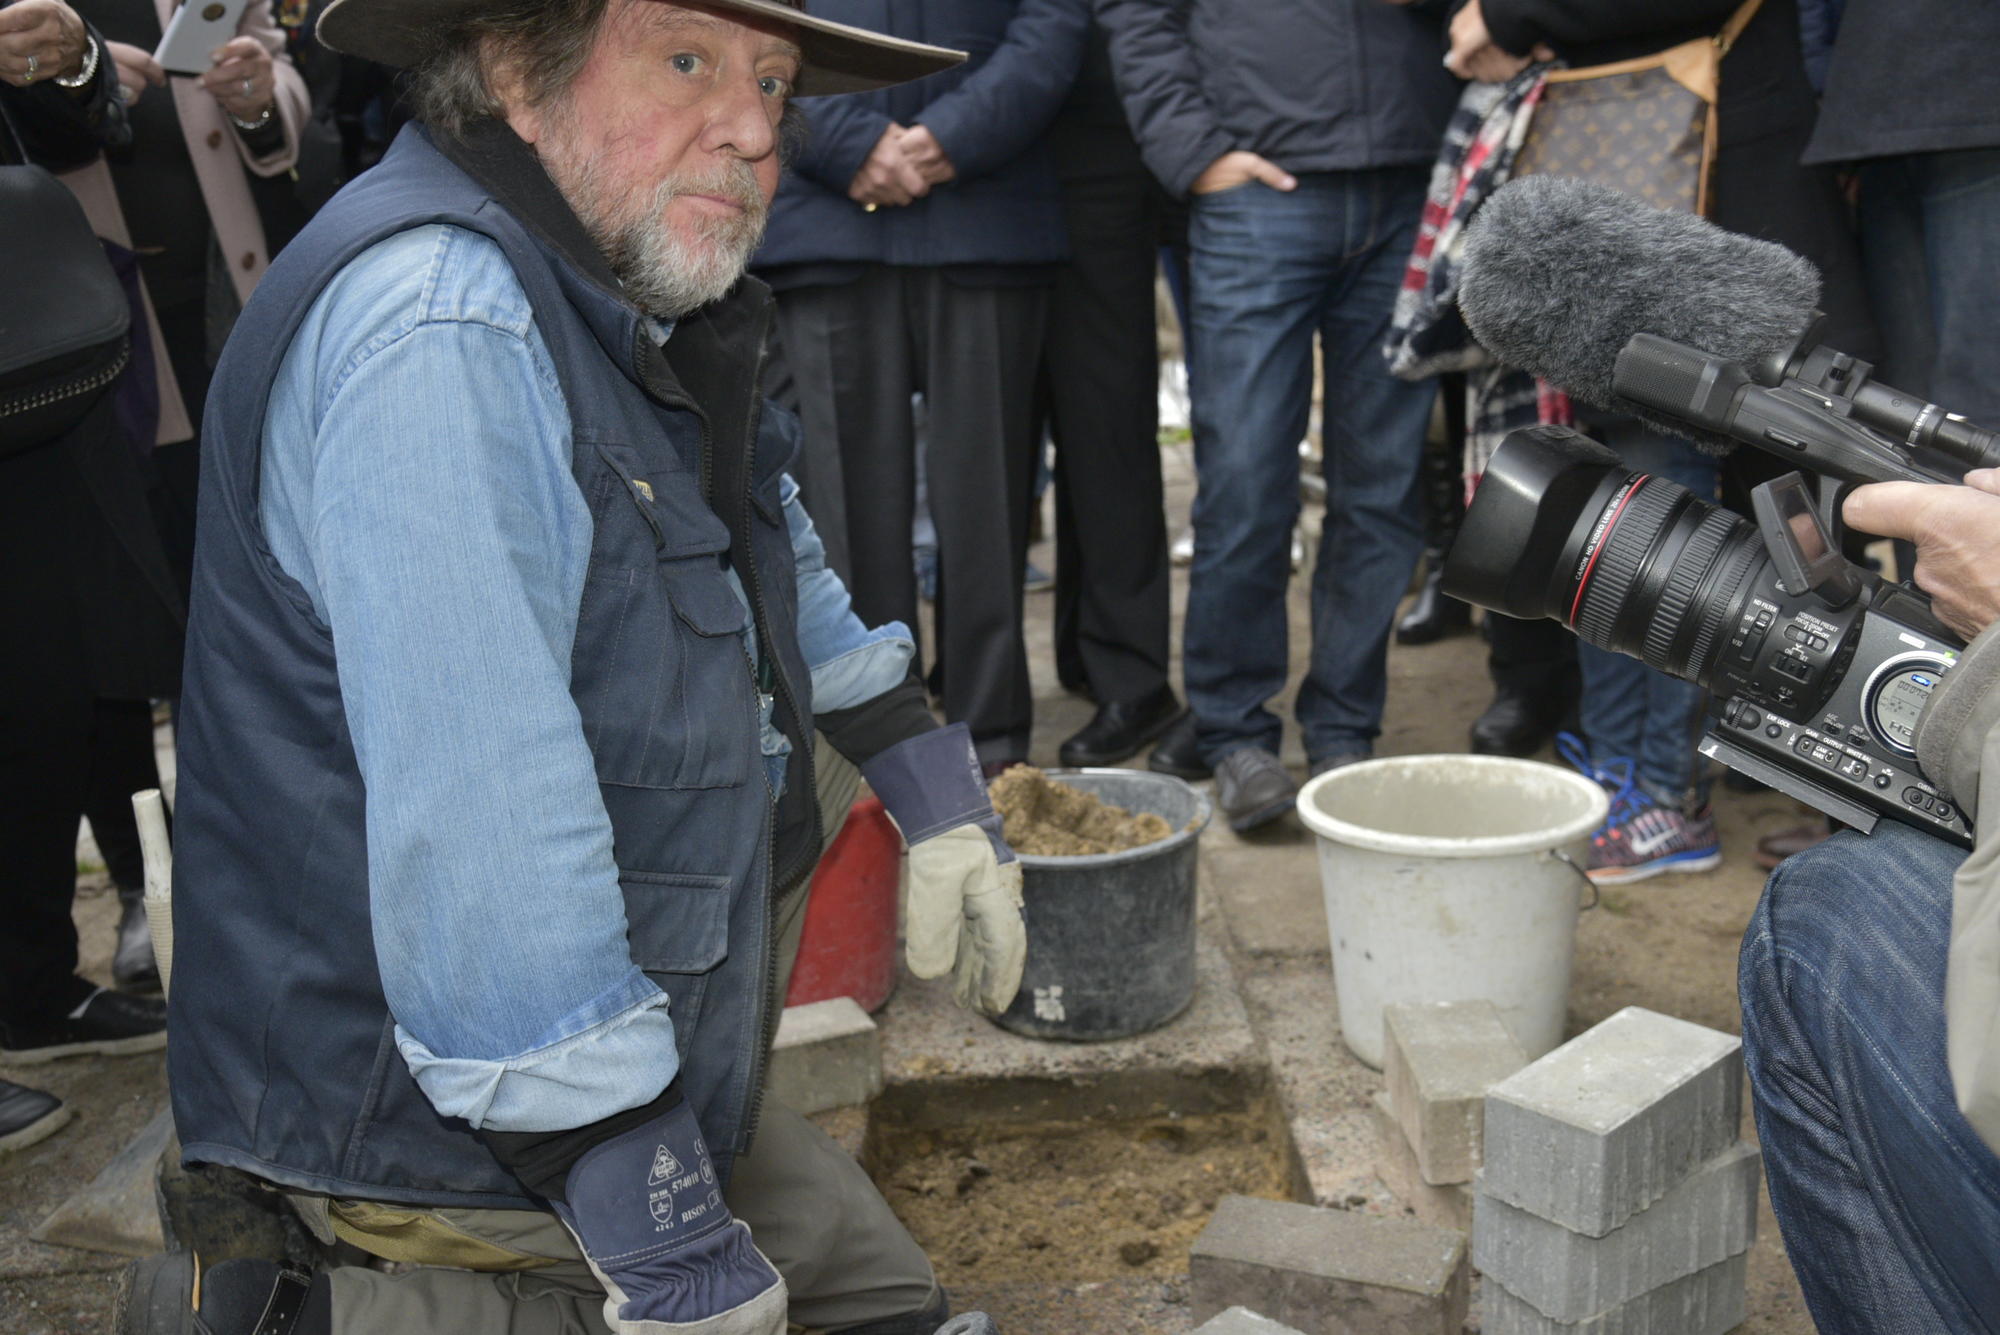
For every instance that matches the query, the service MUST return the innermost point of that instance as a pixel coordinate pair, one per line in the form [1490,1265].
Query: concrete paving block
[1241,1321]
[1449,1206]
[1705,1220]
[827,1055]
[1329,1270]
[1439,1059]
[1708,1302]
[1610,1121]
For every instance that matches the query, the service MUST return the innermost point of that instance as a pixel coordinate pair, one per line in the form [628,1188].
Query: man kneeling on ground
[519,702]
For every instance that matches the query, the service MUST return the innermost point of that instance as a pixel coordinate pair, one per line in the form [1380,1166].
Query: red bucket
[847,947]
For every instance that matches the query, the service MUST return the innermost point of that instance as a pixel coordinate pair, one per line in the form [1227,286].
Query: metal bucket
[1111,935]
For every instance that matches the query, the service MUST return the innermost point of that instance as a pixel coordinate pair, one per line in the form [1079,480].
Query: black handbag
[65,324]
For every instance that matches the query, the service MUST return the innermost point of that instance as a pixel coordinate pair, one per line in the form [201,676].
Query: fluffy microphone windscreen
[1558,274]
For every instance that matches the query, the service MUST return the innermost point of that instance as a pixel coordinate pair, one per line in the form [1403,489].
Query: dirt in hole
[1043,817]
[1071,1202]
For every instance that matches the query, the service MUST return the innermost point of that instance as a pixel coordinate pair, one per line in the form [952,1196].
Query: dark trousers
[1100,381]
[60,752]
[857,352]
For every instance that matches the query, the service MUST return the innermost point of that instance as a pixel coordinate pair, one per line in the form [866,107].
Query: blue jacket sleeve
[1005,105]
[1178,131]
[840,133]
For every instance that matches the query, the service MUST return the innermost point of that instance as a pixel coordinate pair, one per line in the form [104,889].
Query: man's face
[666,145]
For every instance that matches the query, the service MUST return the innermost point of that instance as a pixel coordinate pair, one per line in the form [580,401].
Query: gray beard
[662,274]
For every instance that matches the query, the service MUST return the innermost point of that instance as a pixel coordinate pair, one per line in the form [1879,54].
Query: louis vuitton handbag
[1646,126]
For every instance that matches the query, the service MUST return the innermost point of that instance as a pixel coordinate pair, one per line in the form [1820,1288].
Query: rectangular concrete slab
[1706,1219]
[1610,1121]
[827,1055]
[1448,1206]
[1439,1059]
[1329,1270]
[1241,1321]
[1707,1302]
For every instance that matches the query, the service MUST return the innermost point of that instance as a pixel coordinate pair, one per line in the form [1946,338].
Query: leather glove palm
[962,884]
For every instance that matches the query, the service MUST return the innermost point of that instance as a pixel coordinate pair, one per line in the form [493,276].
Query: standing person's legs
[1632,711]
[1888,1199]
[846,347]
[1101,363]
[121,764]
[978,352]
[1373,426]
[1259,274]
[1961,204]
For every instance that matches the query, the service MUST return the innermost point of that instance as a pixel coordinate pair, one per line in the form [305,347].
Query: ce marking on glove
[669,1175]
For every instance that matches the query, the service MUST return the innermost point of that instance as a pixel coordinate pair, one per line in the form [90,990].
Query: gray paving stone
[1610,1121]
[1241,1321]
[1330,1270]
[1448,1206]
[1706,1219]
[1707,1302]
[1439,1059]
[827,1055]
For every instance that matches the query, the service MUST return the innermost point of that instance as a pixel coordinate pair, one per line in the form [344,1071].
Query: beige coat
[1958,738]
[220,160]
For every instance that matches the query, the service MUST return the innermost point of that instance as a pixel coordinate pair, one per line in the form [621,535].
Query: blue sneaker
[1640,837]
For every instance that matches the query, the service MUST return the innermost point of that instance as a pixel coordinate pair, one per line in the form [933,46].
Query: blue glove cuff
[932,783]
[649,1191]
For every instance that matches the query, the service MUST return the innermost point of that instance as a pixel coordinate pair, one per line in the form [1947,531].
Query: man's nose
[741,121]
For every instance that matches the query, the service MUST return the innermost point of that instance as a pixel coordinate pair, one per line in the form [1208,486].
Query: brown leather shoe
[1775,848]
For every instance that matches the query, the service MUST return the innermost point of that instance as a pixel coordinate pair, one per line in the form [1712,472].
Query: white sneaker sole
[37,1131]
[1648,870]
[102,1047]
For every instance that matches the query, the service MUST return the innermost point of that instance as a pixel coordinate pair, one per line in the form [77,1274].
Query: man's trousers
[845,1258]
[857,352]
[1100,378]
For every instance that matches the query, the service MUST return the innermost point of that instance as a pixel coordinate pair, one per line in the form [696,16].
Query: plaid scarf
[1427,335]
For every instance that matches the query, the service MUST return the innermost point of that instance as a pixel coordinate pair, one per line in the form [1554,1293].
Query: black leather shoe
[133,966]
[1178,751]
[1518,723]
[175,1294]
[1253,788]
[1432,614]
[28,1115]
[1120,728]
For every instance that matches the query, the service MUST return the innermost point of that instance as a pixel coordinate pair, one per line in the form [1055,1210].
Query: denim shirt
[416,482]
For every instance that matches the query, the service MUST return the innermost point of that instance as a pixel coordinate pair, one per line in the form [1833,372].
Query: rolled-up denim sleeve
[440,533]
[850,662]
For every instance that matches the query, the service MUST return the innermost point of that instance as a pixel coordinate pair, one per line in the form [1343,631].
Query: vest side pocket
[677,927]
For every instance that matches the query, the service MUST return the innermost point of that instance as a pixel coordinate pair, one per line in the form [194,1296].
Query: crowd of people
[412,672]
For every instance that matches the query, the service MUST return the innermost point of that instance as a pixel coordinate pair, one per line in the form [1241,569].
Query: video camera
[1818,668]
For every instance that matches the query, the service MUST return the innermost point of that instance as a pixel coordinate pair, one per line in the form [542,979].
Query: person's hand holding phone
[240,77]
[40,40]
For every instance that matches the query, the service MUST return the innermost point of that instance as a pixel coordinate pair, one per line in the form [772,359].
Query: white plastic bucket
[1452,878]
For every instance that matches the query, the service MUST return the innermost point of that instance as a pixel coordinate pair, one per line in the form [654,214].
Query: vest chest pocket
[661,675]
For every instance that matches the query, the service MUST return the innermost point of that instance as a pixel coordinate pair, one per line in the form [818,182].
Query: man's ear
[503,78]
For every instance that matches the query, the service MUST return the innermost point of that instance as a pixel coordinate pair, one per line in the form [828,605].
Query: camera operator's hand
[1957,535]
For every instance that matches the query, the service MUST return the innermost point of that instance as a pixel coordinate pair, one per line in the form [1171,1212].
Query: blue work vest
[282,1056]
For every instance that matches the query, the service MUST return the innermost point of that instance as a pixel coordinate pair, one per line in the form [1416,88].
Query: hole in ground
[998,1201]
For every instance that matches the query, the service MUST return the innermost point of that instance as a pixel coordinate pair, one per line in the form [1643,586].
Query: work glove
[962,885]
[647,1210]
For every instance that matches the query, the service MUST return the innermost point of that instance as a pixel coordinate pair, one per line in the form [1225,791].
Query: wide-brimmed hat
[839,58]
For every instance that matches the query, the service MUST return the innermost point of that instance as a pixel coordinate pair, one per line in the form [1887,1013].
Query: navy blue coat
[988,114]
[1313,85]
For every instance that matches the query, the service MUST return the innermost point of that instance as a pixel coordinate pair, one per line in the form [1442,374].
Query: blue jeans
[1269,270]
[1930,241]
[1629,710]
[1888,1199]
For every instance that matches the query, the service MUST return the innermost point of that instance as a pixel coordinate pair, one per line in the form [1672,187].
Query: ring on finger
[249,86]
[34,63]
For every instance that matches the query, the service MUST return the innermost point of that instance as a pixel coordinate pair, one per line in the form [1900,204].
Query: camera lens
[1632,562]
